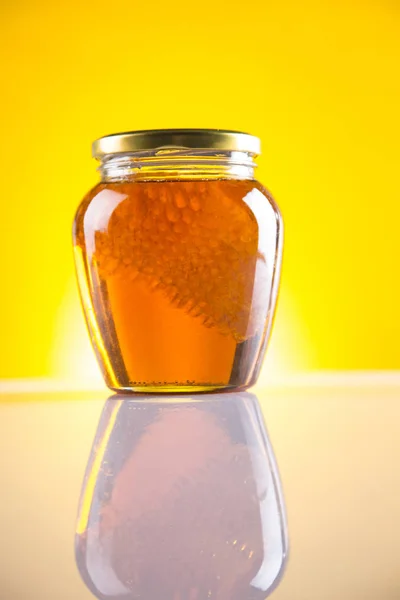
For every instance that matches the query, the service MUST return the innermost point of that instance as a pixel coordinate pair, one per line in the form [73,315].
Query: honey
[177,280]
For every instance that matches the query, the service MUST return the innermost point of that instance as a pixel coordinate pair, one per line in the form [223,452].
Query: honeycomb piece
[195,245]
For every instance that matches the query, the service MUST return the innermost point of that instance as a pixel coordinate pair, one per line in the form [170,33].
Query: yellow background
[317,81]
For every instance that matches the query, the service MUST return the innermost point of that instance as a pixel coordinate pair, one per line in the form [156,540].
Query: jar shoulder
[178,200]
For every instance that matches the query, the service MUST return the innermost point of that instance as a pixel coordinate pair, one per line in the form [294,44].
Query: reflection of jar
[178,251]
[181,501]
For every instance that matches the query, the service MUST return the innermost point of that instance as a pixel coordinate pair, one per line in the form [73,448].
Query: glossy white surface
[338,451]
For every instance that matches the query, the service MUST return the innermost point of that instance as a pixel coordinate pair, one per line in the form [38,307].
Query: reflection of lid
[152,139]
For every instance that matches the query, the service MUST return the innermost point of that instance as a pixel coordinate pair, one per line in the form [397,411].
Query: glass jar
[178,252]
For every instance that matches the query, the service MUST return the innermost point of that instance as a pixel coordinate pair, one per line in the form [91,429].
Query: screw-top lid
[154,139]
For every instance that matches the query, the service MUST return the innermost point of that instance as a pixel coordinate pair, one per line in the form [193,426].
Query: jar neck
[175,164]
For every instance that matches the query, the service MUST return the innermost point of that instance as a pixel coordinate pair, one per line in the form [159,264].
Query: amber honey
[176,278]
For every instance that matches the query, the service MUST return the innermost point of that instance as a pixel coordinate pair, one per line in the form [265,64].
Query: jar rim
[166,139]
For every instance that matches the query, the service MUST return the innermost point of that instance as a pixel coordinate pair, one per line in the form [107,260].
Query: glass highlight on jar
[178,252]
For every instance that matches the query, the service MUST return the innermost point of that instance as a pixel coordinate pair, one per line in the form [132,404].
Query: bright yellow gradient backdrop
[317,81]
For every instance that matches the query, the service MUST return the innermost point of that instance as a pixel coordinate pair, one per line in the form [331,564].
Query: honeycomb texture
[196,245]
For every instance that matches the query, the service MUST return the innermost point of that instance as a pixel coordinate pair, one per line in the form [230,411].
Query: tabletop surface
[337,449]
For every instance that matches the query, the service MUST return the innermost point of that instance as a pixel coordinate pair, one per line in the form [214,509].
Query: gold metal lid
[154,139]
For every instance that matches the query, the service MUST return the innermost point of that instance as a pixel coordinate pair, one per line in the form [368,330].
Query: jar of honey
[178,252]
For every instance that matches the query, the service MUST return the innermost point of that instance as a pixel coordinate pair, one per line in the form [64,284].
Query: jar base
[177,389]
